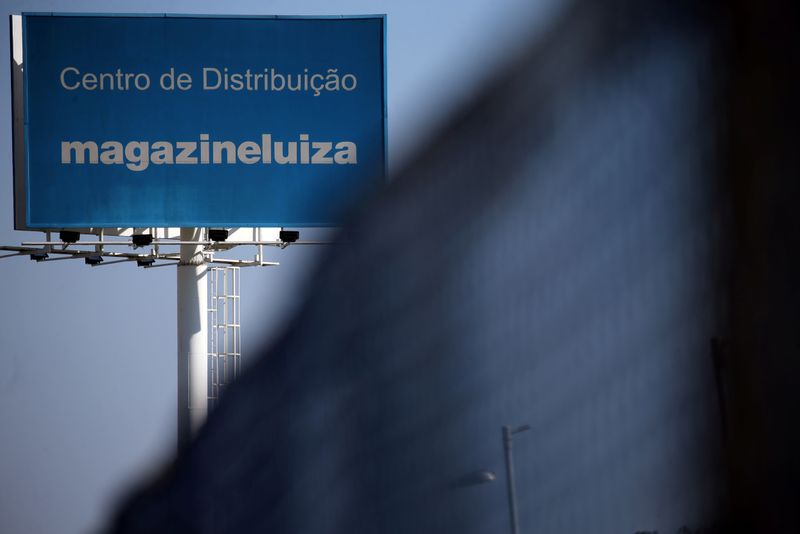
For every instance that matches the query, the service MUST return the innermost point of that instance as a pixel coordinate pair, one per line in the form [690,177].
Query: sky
[88,355]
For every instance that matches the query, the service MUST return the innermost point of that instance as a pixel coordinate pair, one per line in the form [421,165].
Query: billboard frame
[19,103]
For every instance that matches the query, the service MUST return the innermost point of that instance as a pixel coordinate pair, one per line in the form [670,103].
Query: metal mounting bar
[168,263]
[107,263]
[244,263]
[48,260]
[69,254]
[21,249]
[166,242]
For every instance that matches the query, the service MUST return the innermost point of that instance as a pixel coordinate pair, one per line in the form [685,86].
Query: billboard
[177,120]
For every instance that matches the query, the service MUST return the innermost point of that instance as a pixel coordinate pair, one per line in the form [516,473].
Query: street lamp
[475,478]
[508,432]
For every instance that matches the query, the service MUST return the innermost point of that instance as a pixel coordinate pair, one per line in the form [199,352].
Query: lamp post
[508,432]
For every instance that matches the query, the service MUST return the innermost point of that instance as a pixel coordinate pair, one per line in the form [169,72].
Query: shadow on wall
[560,257]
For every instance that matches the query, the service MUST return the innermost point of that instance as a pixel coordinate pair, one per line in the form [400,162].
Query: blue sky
[88,363]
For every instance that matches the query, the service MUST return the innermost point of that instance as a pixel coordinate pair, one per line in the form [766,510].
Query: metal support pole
[512,492]
[192,338]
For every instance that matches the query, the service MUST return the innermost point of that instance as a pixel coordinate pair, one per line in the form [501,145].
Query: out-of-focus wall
[554,258]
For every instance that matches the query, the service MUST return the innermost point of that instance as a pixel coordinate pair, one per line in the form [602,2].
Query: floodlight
[142,240]
[145,262]
[93,260]
[69,236]
[217,234]
[39,256]
[289,236]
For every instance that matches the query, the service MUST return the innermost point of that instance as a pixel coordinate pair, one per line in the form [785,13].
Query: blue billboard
[158,121]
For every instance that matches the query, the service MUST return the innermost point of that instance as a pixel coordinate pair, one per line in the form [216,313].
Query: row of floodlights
[214,234]
[93,259]
[143,240]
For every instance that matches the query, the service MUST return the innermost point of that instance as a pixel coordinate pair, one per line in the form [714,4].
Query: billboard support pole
[192,337]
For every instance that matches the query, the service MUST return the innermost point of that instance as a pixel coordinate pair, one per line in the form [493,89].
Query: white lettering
[187,148]
[104,81]
[321,155]
[207,86]
[249,152]
[112,153]
[138,155]
[161,153]
[346,154]
[64,82]
[80,150]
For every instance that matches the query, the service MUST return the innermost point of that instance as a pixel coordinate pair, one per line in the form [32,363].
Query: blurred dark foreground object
[561,257]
